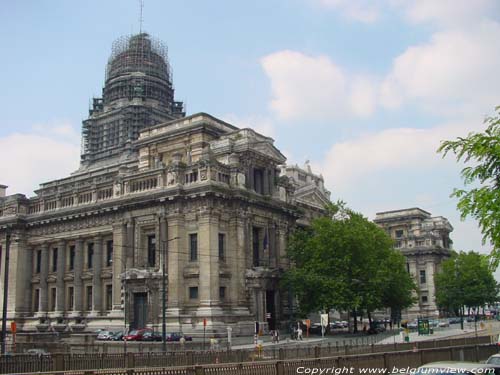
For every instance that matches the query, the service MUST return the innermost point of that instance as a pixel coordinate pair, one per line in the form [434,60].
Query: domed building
[169,216]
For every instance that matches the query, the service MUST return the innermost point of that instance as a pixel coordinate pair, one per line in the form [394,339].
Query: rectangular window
[90,255]
[256,246]
[221,246]
[424,299]
[71,298]
[193,292]
[89,297]
[222,293]
[408,267]
[399,233]
[258,181]
[422,277]
[53,299]
[36,300]
[151,250]
[109,297]
[193,247]
[109,253]
[54,260]
[71,258]
[38,261]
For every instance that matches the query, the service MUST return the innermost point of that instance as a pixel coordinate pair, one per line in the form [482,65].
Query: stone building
[425,242]
[190,208]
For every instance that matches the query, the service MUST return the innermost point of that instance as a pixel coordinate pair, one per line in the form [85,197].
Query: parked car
[315,328]
[117,336]
[39,352]
[454,320]
[176,336]
[136,334]
[151,336]
[494,360]
[444,323]
[412,325]
[105,335]
[376,327]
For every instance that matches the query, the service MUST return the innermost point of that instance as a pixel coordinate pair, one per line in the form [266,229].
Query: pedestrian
[277,335]
[182,341]
[299,333]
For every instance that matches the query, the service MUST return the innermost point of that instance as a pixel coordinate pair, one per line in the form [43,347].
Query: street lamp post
[5,291]
[164,294]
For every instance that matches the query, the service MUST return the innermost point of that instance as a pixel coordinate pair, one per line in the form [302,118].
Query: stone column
[78,284]
[208,229]
[44,272]
[177,255]
[265,181]
[60,294]
[129,248]
[272,245]
[96,277]
[119,261]
[236,259]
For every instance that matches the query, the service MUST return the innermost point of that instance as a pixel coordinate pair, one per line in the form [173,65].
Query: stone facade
[193,203]
[425,242]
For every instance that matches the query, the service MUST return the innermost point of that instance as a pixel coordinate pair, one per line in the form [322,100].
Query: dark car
[151,336]
[118,336]
[176,336]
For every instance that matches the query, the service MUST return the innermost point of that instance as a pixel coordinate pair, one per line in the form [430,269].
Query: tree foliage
[345,262]
[465,280]
[482,200]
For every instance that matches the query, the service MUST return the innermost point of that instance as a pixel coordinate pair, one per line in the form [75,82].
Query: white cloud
[450,13]
[315,87]
[48,153]
[357,10]
[455,72]
[401,150]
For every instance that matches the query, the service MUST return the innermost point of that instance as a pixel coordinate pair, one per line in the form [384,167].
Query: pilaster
[60,293]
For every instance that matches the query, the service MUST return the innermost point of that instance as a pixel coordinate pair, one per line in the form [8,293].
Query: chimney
[3,190]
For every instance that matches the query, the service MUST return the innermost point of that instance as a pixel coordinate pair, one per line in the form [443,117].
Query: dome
[138,53]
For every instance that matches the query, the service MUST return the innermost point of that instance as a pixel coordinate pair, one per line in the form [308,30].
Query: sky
[363,90]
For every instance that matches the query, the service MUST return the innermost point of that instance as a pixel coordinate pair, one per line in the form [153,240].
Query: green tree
[465,280]
[482,199]
[345,262]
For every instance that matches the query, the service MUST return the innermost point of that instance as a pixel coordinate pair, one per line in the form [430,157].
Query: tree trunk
[355,318]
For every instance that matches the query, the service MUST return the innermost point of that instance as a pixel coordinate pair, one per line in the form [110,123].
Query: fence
[73,362]
[389,361]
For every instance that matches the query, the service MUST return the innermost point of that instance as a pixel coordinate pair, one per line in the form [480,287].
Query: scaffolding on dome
[138,93]
[139,53]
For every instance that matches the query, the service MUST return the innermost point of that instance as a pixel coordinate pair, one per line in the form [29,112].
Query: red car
[136,334]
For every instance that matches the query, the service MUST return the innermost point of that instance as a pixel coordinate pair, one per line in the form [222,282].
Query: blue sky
[365,90]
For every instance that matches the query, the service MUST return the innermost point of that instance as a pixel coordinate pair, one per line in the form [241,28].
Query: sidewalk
[468,330]
[284,342]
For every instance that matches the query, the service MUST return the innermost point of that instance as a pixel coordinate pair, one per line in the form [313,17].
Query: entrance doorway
[270,309]
[140,310]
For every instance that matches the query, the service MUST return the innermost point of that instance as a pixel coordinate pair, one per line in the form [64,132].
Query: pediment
[312,196]
[271,152]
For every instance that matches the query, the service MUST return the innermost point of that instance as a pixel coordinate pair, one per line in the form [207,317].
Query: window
[90,255]
[302,177]
[222,293]
[221,246]
[71,298]
[256,246]
[398,244]
[420,243]
[191,177]
[151,250]
[109,253]
[422,277]
[54,260]
[193,292]
[193,247]
[399,233]
[36,300]
[89,297]
[408,267]
[53,299]
[258,181]
[38,261]
[424,299]
[71,258]
[109,297]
